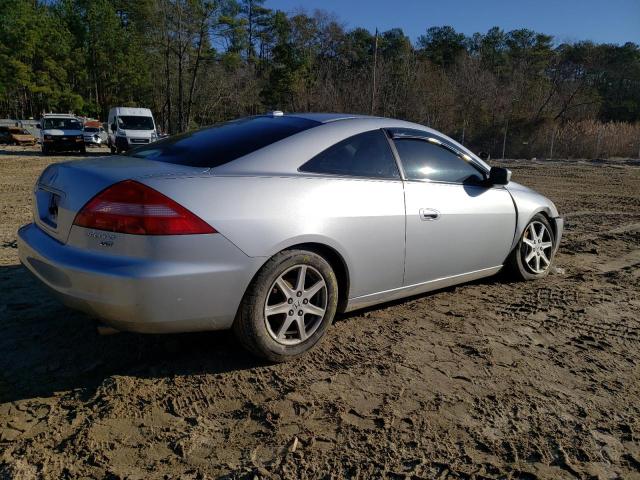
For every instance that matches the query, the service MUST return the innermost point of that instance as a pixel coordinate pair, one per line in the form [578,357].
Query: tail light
[131,207]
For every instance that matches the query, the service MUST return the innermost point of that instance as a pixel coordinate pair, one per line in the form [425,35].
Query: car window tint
[364,155]
[422,159]
[219,144]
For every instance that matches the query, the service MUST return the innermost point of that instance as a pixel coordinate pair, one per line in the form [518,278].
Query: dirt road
[489,380]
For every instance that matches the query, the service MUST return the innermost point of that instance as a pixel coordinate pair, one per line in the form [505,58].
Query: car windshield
[222,143]
[61,123]
[131,122]
[90,129]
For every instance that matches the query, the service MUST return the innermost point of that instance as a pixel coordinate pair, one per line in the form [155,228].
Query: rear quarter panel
[363,220]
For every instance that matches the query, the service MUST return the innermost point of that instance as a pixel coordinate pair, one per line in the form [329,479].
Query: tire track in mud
[494,379]
[552,308]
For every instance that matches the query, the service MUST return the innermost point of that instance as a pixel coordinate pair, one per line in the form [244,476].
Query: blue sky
[603,21]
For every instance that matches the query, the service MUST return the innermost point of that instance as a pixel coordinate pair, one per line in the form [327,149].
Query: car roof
[67,115]
[285,156]
[141,111]
[328,116]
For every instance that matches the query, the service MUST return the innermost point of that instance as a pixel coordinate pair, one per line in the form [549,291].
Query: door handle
[429,214]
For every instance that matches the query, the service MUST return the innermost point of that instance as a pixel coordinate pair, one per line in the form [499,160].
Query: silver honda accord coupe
[272,224]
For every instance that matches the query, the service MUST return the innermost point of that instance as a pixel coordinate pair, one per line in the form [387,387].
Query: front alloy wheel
[533,256]
[538,246]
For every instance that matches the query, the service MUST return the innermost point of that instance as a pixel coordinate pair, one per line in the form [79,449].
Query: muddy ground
[493,379]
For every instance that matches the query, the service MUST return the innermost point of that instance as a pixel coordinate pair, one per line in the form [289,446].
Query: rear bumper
[142,295]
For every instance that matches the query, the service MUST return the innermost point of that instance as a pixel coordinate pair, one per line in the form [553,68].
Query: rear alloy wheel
[533,256]
[295,305]
[288,307]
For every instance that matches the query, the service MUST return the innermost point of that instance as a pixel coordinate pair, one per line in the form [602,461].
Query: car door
[456,223]
[356,196]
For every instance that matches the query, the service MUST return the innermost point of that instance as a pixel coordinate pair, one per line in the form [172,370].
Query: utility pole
[553,138]
[504,138]
[375,64]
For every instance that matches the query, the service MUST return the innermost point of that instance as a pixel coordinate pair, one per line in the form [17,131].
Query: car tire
[112,148]
[83,149]
[264,334]
[532,252]
[45,150]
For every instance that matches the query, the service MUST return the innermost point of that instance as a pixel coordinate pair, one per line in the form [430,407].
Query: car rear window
[363,155]
[219,144]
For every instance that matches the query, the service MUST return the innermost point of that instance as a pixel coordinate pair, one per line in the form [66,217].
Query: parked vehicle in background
[61,132]
[130,127]
[22,136]
[270,224]
[16,136]
[5,136]
[94,135]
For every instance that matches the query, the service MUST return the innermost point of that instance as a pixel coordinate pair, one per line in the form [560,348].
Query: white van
[129,127]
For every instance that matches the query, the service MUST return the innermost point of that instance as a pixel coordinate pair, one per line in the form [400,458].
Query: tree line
[196,62]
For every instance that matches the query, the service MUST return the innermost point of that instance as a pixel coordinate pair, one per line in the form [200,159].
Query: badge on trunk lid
[52,211]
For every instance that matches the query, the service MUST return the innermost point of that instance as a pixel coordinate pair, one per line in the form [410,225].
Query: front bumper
[559,229]
[92,141]
[142,295]
[70,143]
[126,143]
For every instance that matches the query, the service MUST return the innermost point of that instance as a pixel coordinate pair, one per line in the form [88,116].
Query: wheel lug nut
[305,301]
[290,301]
[290,312]
[299,294]
[300,312]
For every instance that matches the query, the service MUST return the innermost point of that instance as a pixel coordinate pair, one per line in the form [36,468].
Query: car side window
[364,155]
[422,159]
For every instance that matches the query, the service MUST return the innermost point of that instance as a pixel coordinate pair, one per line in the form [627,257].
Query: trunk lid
[64,188]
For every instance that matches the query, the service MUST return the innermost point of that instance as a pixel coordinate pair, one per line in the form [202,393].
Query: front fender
[528,203]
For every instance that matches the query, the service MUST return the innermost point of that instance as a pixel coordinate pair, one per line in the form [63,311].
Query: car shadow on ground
[48,348]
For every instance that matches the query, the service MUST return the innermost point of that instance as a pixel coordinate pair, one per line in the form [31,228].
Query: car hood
[529,200]
[515,186]
[58,131]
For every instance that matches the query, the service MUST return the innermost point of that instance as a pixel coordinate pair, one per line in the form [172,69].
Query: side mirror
[484,156]
[499,176]
[38,126]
